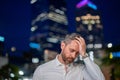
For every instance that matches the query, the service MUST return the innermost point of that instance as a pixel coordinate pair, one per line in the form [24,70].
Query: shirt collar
[58,63]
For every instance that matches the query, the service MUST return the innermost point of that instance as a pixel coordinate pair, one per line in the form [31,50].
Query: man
[64,68]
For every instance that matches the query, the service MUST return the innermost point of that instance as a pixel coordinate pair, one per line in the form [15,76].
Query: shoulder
[38,73]
[46,65]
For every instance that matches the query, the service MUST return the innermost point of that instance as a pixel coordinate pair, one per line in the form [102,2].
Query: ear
[62,45]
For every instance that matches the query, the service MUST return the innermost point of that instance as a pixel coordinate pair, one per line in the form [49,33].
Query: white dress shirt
[54,70]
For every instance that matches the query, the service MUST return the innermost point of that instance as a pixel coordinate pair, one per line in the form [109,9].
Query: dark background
[15,21]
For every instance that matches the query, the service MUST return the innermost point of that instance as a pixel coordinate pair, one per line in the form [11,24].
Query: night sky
[15,21]
[110,12]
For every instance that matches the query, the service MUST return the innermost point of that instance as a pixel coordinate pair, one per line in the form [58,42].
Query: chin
[70,62]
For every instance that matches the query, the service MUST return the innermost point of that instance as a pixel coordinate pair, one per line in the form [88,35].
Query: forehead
[73,44]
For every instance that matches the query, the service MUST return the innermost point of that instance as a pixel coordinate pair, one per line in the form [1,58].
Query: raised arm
[91,70]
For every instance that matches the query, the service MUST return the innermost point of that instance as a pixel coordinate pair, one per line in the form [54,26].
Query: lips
[70,59]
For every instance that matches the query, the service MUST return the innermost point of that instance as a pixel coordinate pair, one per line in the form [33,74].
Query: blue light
[2,39]
[34,45]
[93,6]
[116,54]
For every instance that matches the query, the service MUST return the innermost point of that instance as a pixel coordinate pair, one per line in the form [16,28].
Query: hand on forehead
[79,39]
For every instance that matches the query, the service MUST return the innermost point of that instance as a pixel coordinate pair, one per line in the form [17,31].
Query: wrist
[84,56]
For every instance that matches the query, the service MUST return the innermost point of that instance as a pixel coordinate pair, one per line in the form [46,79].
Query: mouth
[70,59]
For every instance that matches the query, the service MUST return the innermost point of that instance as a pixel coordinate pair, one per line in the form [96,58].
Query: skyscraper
[89,25]
[49,22]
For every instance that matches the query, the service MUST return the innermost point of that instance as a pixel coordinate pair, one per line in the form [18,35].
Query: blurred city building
[49,24]
[49,55]
[3,61]
[89,25]
[2,39]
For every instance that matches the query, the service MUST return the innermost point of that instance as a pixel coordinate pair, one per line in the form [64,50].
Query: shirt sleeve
[37,74]
[91,70]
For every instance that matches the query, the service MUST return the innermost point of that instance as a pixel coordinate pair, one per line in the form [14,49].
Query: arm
[91,70]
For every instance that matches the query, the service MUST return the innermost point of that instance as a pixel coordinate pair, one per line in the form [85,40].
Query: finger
[78,39]
[82,39]
[79,43]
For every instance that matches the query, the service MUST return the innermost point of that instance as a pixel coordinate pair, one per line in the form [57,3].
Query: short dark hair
[69,37]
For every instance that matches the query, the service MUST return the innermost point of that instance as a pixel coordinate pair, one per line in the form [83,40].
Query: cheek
[66,52]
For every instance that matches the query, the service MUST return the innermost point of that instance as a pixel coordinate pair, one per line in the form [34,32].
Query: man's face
[69,51]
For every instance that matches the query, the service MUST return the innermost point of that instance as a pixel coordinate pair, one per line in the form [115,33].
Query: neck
[61,59]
